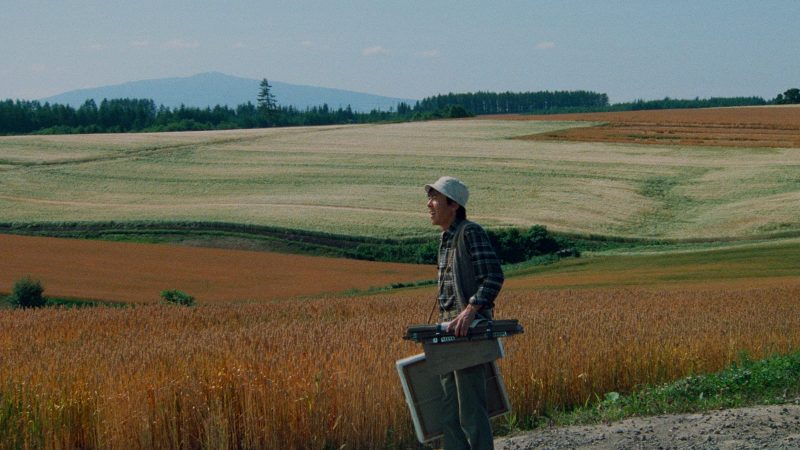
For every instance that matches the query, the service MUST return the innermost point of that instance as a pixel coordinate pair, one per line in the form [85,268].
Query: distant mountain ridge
[214,88]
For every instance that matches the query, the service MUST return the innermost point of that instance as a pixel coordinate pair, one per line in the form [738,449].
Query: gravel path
[759,427]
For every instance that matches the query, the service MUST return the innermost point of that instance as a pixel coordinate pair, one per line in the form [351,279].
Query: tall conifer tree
[266,99]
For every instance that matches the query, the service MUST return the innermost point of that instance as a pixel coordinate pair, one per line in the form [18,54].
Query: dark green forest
[481,103]
[143,115]
[134,115]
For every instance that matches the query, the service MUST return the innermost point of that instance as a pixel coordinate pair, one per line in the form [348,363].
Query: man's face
[442,214]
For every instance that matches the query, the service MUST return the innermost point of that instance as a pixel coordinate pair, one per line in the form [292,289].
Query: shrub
[27,293]
[513,245]
[456,112]
[177,297]
[427,253]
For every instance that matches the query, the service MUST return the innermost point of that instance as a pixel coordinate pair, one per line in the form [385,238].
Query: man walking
[470,278]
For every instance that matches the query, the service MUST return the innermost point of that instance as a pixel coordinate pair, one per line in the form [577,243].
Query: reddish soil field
[139,272]
[776,126]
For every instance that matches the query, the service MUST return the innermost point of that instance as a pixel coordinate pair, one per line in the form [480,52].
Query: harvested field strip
[139,272]
[320,373]
[752,116]
[678,135]
[727,127]
[232,236]
[53,229]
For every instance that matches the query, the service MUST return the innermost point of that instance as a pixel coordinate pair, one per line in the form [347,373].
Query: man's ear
[453,206]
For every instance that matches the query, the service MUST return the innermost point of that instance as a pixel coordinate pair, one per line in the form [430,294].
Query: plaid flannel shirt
[485,264]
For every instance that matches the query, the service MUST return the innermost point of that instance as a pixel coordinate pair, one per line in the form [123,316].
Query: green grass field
[745,264]
[366,180]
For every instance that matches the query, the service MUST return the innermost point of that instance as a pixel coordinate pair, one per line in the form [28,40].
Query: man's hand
[460,325]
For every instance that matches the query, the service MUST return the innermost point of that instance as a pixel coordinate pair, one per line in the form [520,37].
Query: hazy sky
[406,48]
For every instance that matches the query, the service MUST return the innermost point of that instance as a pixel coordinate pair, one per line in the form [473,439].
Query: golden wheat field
[366,180]
[320,373]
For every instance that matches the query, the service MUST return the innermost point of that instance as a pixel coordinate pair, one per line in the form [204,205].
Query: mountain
[214,88]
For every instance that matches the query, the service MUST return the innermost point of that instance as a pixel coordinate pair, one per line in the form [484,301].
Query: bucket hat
[452,188]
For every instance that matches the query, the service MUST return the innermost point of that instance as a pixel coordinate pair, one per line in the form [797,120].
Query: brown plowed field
[775,126]
[139,272]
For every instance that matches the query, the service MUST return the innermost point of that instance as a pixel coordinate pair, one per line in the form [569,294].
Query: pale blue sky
[410,49]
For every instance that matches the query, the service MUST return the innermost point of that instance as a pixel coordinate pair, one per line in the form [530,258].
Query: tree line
[558,102]
[676,103]
[789,97]
[480,103]
[135,115]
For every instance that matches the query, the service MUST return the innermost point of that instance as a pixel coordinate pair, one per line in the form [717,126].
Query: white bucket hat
[452,188]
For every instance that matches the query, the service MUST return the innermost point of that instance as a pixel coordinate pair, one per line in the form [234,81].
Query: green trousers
[465,419]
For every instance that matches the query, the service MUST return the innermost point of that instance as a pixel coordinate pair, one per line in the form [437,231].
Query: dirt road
[760,427]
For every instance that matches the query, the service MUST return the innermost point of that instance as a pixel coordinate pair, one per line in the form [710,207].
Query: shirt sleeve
[486,265]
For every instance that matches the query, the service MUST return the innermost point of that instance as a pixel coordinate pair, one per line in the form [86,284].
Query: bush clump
[27,293]
[176,297]
[513,245]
